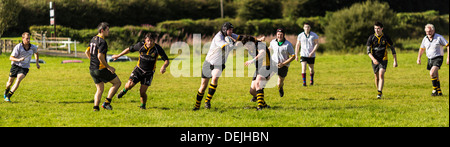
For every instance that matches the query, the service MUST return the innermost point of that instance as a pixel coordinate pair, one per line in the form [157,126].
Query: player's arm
[125,51]
[316,46]
[448,54]
[15,54]
[261,53]
[166,60]
[101,58]
[297,49]
[36,56]
[12,58]
[88,52]
[291,56]
[419,57]
[394,54]
[375,61]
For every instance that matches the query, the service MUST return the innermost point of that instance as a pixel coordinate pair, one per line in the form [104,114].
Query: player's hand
[447,61]
[38,66]
[311,54]
[420,62]
[21,59]
[280,65]
[248,62]
[263,38]
[296,58]
[375,62]
[115,57]
[395,64]
[163,70]
[112,69]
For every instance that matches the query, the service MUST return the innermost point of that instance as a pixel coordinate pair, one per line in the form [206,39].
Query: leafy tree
[348,29]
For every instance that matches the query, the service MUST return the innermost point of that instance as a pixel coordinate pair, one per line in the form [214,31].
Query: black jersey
[148,56]
[377,46]
[265,61]
[96,46]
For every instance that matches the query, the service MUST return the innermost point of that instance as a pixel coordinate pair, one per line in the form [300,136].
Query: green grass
[344,96]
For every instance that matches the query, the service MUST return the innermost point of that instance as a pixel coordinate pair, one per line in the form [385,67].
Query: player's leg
[98,95]
[311,73]
[253,90]
[8,87]
[381,82]
[434,74]
[212,87]
[19,79]
[13,89]
[143,93]
[304,72]
[128,86]
[260,84]
[112,91]
[201,92]
[280,84]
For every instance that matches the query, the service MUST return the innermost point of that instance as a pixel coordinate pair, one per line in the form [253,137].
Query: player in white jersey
[309,42]
[283,55]
[214,64]
[433,44]
[20,64]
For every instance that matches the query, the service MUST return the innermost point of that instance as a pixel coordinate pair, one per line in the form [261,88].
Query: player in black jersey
[377,45]
[100,71]
[145,68]
[265,68]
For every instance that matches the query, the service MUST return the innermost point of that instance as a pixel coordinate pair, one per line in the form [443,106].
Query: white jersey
[219,49]
[434,48]
[281,52]
[307,43]
[20,52]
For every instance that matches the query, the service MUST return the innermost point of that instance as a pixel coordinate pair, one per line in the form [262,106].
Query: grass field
[344,95]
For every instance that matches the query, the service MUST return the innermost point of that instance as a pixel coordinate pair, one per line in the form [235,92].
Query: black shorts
[207,68]
[377,68]
[308,60]
[436,61]
[103,75]
[139,75]
[15,70]
[282,72]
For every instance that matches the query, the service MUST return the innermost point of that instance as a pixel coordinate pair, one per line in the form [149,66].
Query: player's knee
[143,94]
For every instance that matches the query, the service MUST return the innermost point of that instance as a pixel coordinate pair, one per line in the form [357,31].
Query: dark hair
[248,38]
[151,36]
[306,23]
[378,24]
[102,26]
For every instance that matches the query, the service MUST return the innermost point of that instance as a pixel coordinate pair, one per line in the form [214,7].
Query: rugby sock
[6,91]
[380,92]
[108,100]
[199,99]
[124,90]
[260,98]
[304,78]
[97,108]
[312,79]
[439,87]
[9,95]
[211,91]
[435,83]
